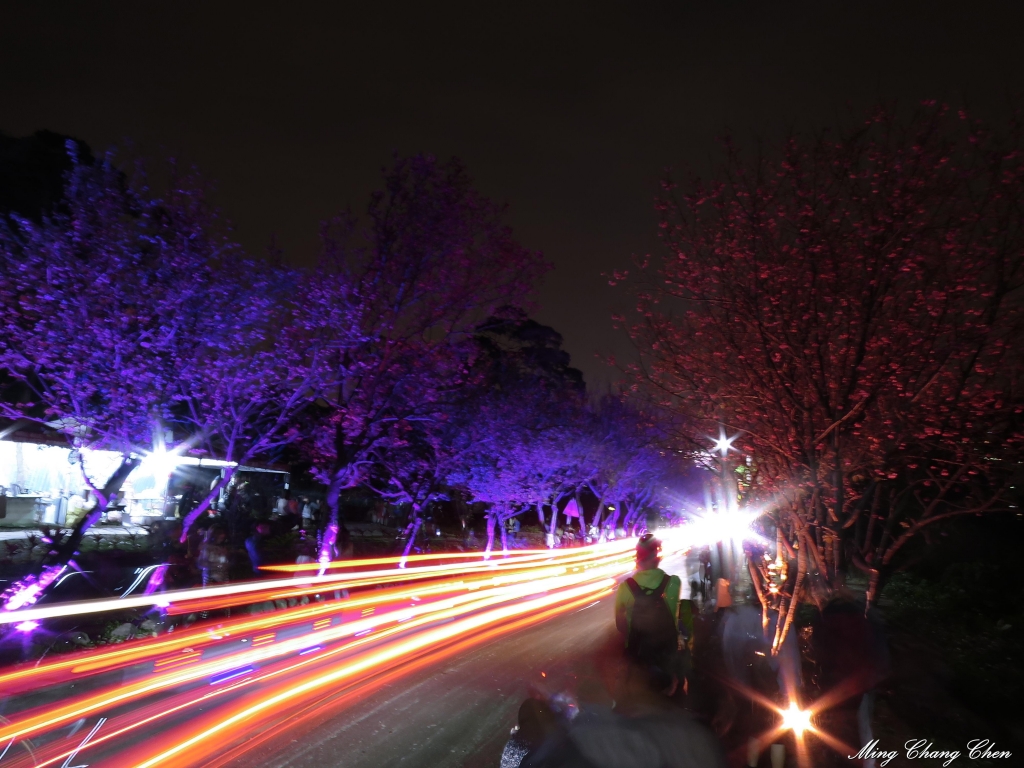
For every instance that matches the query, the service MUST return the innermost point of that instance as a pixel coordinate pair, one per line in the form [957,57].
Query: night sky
[567,111]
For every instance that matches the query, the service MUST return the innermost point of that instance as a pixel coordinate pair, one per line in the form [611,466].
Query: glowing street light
[160,463]
[723,444]
[724,525]
[795,719]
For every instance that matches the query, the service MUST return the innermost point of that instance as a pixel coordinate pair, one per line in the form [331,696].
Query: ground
[457,713]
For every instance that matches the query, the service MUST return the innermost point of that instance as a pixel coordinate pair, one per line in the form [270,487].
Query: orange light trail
[292,658]
[493,557]
[442,609]
[132,653]
[318,681]
[252,590]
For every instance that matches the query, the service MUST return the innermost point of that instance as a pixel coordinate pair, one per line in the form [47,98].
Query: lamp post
[725,551]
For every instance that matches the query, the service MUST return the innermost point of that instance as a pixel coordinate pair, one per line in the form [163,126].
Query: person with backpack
[647,614]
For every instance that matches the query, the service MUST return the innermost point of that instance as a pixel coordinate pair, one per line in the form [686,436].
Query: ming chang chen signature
[923,749]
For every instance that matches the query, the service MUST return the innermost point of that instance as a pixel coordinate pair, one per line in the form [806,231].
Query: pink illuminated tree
[850,308]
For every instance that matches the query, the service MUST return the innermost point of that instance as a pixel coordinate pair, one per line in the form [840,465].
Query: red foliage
[851,308]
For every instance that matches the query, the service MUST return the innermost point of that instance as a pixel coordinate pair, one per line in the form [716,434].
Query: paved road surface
[455,713]
[452,706]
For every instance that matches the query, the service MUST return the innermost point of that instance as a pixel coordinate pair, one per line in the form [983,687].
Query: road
[456,712]
[425,665]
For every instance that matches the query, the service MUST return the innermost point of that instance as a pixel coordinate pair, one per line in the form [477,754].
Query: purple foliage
[433,259]
[26,592]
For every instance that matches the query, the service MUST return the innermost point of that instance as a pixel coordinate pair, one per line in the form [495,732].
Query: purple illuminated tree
[130,316]
[519,444]
[628,464]
[412,467]
[432,260]
[94,311]
[260,356]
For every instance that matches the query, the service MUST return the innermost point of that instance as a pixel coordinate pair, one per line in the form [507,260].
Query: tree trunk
[414,521]
[782,629]
[596,522]
[632,521]
[490,534]
[872,593]
[755,579]
[554,524]
[192,516]
[330,532]
[614,520]
[411,530]
[345,474]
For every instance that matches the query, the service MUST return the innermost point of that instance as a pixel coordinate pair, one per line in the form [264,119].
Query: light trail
[24,727]
[257,591]
[136,652]
[396,560]
[318,681]
[291,659]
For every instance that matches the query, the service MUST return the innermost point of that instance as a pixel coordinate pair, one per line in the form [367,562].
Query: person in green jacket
[664,650]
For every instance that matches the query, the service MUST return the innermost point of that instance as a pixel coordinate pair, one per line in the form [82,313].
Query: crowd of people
[693,679]
[234,540]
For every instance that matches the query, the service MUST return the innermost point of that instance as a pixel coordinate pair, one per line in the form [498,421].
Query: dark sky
[568,111]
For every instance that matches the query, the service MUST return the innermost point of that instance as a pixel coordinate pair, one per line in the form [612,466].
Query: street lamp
[723,554]
[723,444]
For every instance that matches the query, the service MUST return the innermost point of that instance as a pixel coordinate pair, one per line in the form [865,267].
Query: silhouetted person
[255,545]
[654,735]
[535,724]
[213,557]
[853,656]
[647,614]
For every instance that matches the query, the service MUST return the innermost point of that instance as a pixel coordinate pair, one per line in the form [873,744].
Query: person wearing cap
[648,577]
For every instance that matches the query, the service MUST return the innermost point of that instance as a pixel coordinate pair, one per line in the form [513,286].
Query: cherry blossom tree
[261,351]
[624,462]
[130,315]
[431,259]
[848,307]
[516,444]
[94,303]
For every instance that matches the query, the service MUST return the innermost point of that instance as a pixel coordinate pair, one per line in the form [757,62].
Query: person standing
[852,652]
[314,512]
[255,546]
[213,557]
[647,614]
[307,514]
